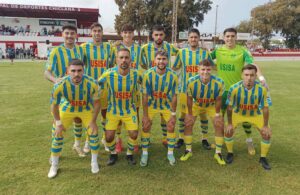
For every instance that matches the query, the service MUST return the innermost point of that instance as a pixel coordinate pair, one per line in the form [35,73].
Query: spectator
[1,54]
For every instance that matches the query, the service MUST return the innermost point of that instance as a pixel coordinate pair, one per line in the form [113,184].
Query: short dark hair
[249,67]
[127,27]
[123,49]
[76,62]
[194,30]
[96,24]
[70,27]
[230,30]
[162,53]
[158,28]
[205,62]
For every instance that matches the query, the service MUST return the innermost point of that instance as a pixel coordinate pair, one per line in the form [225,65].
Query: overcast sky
[230,12]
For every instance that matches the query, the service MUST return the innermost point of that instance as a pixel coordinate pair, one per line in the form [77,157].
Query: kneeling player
[81,100]
[247,102]
[160,89]
[204,93]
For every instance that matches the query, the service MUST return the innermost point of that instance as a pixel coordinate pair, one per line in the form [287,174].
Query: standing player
[160,89]
[122,83]
[96,57]
[56,68]
[188,59]
[148,55]
[204,97]
[247,102]
[80,95]
[230,60]
[127,33]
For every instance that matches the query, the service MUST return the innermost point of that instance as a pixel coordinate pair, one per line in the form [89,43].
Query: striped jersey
[247,102]
[75,98]
[135,55]
[96,58]
[189,61]
[230,63]
[205,95]
[59,58]
[160,88]
[121,90]
[149,51]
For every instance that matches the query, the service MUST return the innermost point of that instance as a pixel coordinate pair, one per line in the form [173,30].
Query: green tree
[286,20]
[133,12]
[190,13]
[262,21]
[245,26]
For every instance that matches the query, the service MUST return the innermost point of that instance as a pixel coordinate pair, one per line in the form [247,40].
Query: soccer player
[230,60]
[96,56]
[188,59]
[122,82]
[204,97]
[160,89]
[148,59]
[247,102]
[56,69]
[80,95]
[127,33]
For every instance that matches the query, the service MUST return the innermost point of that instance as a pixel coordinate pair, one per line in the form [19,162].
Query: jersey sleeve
[113,57]
[96,91]
[175,86]
[144,57]
[177,64]
[222,88]
[56,95]
[230,97]
[264,102]
[247,56]
[103,79]
[146,88]
[174,50]
[52,62]
[189,88]
[213,54]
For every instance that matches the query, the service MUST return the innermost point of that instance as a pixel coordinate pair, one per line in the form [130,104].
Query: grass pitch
[25,126]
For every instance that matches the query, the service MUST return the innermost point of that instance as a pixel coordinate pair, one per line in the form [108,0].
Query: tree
[133,12]
[286,20]
[245,26]
[190,13]
[262,22]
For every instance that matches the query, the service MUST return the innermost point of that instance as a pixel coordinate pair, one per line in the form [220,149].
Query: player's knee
[77,120]
[228,135]
[170,128]
[133,135]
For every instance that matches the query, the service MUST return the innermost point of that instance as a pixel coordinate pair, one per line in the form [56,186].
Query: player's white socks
[94,158]
[170,152]
[77,143]
[54,160]
[145,152]
[249,140]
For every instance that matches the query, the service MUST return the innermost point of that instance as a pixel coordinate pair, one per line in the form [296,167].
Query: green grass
[25,122]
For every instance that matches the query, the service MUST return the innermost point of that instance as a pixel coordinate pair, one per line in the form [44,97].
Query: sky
[230,12]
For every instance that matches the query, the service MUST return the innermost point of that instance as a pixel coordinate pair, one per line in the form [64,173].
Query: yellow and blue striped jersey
[135,54]
[189,61]
[160,88]
[59,58]
[247,102]
[205,95]
[149,51]
[121,90]
[96,58]
[75,98]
